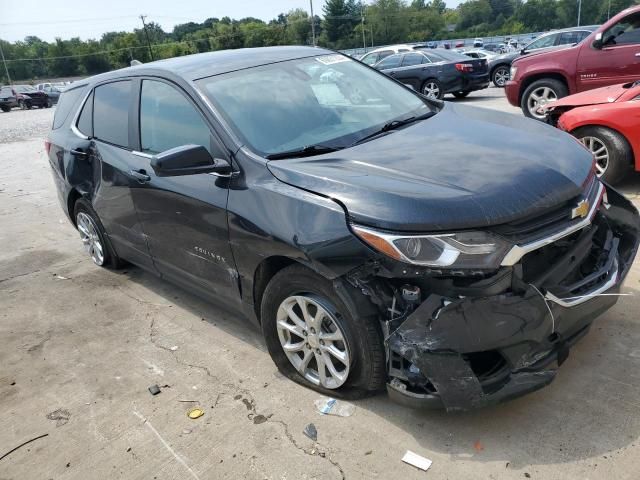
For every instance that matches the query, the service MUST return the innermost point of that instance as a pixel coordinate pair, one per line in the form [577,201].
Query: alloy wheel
[90,238]
[538,98]
[600,153]
[501,76]
[313,342]
[431,90]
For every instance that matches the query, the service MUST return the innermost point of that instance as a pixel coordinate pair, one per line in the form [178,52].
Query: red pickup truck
[608,56]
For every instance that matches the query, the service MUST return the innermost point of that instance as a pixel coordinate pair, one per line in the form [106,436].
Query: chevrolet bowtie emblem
[581,210]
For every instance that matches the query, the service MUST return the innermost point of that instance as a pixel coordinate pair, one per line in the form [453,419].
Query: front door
[618,61]
[184,217]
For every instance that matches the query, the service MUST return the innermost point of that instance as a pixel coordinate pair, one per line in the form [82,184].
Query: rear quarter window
[66,102]
[111,112]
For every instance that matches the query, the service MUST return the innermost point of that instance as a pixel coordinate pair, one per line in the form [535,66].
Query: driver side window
[169,120]
[625,32]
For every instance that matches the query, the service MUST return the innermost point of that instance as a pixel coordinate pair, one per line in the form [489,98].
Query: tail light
[47,146]
[464,67]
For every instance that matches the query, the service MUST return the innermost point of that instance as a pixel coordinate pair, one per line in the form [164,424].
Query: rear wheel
[316,340]
[432,88]
[611,151]
[6,109]
[539,93]
[48,104]
[500,76]
[93,236]
[464,94]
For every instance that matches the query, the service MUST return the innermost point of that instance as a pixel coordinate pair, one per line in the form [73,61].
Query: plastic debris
[331,406]
[195,413]
[416,460]
[174,348]
[311,431]
[154,389]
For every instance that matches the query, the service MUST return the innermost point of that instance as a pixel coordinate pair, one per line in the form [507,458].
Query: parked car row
[27,96]
[599,78]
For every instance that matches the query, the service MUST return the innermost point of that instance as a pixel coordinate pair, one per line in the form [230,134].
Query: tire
[500,75]
[365,373]
[432,88]
[546,89]
[6,109]
[614,157]
[109,257]
[28,105]
[464,94]
[48,104]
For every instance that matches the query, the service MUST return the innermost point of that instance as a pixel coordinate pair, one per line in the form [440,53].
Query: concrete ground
[80,345]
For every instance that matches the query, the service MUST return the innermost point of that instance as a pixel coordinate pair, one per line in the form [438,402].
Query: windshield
[328,100]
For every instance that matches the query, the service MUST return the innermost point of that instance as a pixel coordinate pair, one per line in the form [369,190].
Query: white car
[374,56]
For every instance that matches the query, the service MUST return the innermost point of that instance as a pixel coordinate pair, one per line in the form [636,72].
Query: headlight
[512,72]
[472,250]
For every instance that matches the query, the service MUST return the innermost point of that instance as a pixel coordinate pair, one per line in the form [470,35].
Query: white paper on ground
[416,460]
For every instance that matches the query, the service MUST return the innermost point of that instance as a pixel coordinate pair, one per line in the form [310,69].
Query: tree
[474,13]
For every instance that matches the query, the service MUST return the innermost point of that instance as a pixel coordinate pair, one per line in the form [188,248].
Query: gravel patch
[18,125]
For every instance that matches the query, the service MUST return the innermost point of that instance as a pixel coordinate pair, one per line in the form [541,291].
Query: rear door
[411,70]
[618,61]
[106,119]
[184,217]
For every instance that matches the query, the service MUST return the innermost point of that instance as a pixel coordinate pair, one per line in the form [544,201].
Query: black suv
[378,238]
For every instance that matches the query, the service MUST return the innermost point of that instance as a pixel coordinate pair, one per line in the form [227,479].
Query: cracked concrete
[85,350]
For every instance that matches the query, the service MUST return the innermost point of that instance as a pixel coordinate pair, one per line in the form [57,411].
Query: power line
[146,34]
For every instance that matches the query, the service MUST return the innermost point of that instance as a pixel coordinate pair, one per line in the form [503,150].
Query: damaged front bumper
[501,337]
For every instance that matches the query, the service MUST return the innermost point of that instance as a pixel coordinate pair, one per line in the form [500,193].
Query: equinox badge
[581,210]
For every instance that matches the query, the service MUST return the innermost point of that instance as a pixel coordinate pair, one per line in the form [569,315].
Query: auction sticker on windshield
[331,59]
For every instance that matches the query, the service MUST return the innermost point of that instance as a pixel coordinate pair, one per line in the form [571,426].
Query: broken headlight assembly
[472,249]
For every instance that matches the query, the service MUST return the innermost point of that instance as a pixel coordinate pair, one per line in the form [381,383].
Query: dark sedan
[436,73]
[8,98]
[377,237]
[29,97]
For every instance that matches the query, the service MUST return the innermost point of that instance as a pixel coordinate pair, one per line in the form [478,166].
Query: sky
[91,18]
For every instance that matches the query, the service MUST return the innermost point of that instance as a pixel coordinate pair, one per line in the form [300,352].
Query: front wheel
[538,94]
[48,104]
[500,76]
[611,151]
[316,340]
[464,94]
[432,88]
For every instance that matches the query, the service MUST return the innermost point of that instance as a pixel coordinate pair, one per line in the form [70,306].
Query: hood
[466,167]
[597,96]
[505,57]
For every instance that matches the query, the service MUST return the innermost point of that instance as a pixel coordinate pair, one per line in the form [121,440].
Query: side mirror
[597,42]
[188,160]
[523,51]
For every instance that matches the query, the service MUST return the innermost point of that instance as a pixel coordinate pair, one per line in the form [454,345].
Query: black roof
[200,65]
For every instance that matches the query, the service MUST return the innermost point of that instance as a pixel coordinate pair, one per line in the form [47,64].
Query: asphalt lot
[81,344]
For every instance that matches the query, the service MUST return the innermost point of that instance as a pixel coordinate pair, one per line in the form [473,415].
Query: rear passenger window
[66,102]
[169,120]
[412,59]
[569,38]
[111,112]
[85,121]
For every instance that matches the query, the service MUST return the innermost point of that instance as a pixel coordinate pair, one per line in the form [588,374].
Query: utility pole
[579,10]
[5,65]
[313,25]
[146,34]
[609,11]
[364,41]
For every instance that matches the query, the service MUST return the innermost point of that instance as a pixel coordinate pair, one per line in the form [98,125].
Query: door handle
[140,175]
[79,154]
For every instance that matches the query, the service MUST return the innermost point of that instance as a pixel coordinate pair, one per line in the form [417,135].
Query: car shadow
[589,411]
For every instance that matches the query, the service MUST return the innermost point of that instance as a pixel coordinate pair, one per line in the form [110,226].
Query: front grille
[542,225]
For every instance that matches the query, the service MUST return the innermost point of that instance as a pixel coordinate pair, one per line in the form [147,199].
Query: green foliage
[385,22]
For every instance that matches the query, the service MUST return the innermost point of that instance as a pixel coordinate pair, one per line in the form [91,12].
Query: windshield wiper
[393,125]
[307,151]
